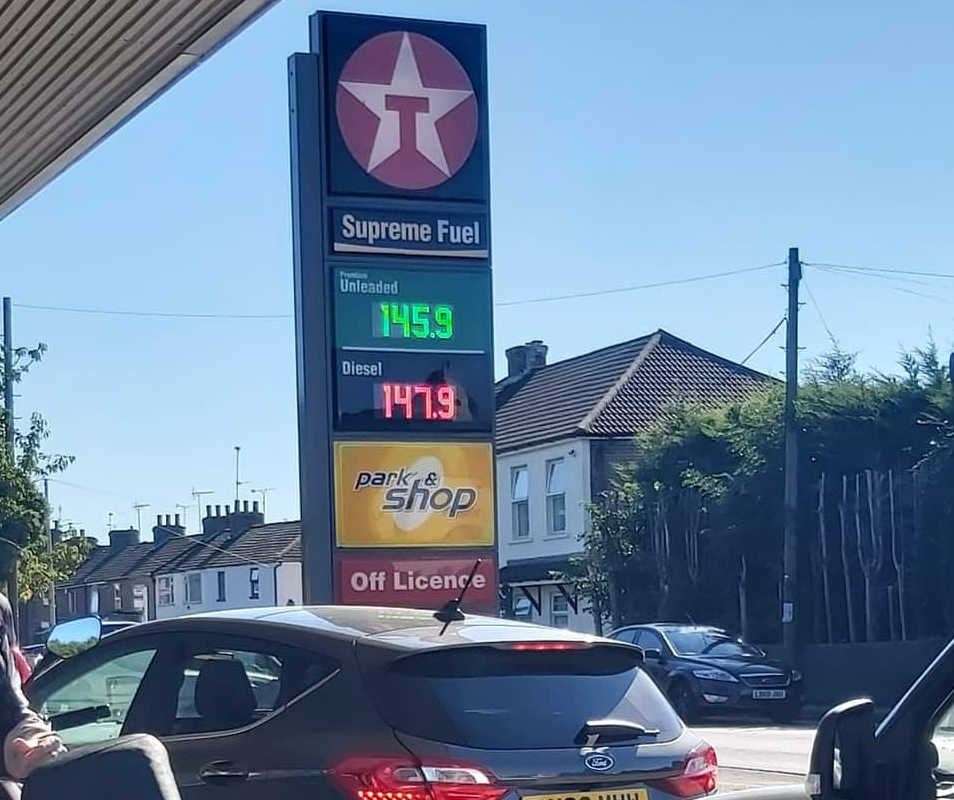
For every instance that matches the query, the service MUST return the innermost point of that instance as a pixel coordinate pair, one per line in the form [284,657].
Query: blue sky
[631,143]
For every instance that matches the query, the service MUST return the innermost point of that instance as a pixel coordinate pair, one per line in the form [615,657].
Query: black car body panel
[752,682]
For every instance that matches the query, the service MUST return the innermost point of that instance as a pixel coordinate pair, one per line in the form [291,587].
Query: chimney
[208,511]
[164,531]
[218,511]
[525,358]
[121,539]
[245,506]
[255,506]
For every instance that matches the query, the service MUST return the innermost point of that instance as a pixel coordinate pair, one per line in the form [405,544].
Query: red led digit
[423,390]
[447,401]
[388,407]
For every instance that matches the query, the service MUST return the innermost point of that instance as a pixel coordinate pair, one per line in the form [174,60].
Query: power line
[855,273]
[765,341]
[159,314]
[883,270]
[211,315]
[821,316]
[637,287]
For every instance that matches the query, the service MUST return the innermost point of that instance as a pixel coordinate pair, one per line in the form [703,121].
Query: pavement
[753,756]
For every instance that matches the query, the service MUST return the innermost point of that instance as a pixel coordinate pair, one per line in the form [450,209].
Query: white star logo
[406,110]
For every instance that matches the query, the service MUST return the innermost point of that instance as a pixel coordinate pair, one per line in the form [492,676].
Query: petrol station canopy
[73,71]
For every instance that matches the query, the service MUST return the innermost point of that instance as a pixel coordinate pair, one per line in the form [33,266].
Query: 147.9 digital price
[418,401]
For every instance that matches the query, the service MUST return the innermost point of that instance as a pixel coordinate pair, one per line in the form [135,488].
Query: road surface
[753,756]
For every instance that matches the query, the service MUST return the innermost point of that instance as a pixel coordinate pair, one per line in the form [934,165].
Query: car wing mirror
[842,759]
[74,637]
[652,654]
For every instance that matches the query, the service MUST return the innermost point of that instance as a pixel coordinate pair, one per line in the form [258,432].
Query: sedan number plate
[768,694]
[605,794]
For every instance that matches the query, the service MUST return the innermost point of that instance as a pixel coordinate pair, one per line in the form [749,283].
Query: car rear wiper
[601,731]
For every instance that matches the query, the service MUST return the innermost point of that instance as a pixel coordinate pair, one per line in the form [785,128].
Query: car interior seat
[223,695]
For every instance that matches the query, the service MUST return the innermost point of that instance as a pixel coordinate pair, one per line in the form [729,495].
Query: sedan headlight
[713,674]
[796,676]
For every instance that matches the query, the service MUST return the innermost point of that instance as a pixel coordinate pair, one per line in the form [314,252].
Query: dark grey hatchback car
[381,704]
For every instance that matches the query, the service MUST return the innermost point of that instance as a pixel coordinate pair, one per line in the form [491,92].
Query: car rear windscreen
[504,699]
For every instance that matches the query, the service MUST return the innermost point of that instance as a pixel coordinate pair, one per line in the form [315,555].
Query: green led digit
[420,320]
[400,316]
[444,322]
[383,328]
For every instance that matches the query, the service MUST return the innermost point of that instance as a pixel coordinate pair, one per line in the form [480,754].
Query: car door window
[92,707]
[223,689]
[649,640]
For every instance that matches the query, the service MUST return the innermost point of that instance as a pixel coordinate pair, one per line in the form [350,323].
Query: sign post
[393,307]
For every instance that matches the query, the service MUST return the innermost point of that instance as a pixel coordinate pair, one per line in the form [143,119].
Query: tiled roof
[262,544]
[98,555]
[616,391]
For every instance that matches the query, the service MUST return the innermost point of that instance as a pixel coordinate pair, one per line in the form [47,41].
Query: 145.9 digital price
[413,321]
[418,401]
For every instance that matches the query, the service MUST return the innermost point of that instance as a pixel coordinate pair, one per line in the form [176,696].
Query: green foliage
[23,534]
[733,456]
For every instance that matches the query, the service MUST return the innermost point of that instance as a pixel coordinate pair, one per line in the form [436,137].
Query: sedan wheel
[680,695]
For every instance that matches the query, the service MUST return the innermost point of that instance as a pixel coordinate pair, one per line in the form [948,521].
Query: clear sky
[632,142]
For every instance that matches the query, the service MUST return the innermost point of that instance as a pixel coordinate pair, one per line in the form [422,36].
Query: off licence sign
[411,581]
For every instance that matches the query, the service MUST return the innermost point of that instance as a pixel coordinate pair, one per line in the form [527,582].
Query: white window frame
[561,614]
[190,599]
[117,597]
[516,503]
[166,591]
[254,583]
[553,496]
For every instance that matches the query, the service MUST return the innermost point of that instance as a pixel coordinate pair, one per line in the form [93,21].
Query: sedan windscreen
[511,699]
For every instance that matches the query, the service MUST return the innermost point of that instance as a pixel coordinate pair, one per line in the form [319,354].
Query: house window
[253,584]
[71,601]
[140,595]
[193,586]
[559,611]
[166,593]
[94,600]
[520,502]
[556,496]
[220,577]
[117,596]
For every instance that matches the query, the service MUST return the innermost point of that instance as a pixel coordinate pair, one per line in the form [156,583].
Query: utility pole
[10,436]
[790,559]
[237,482]
[49,533]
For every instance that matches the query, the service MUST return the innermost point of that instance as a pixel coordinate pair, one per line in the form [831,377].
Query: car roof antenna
[450,611]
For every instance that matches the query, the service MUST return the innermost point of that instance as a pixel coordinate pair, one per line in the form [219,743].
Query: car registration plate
[768,694]
[603,794]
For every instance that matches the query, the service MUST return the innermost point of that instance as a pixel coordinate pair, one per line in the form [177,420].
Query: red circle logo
[407,111]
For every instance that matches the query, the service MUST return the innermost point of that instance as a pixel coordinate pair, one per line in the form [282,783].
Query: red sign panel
[416,581]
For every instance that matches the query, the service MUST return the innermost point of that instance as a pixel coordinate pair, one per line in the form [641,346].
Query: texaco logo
[407,111]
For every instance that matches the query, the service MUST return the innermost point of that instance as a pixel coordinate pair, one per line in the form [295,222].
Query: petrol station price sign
[391,205]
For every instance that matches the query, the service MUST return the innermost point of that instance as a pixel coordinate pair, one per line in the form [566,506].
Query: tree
[23,513]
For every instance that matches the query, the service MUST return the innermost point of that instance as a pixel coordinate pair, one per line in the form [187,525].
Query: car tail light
[700,776]
[544,647]
[403,779]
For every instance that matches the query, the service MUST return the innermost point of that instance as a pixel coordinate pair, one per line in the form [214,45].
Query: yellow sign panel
[391,494]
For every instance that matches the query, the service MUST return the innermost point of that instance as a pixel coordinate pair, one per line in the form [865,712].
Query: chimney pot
[177,521]
[218,511]
[228,510]
[208,511]
[158,519]
[167,520]
[255,506]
